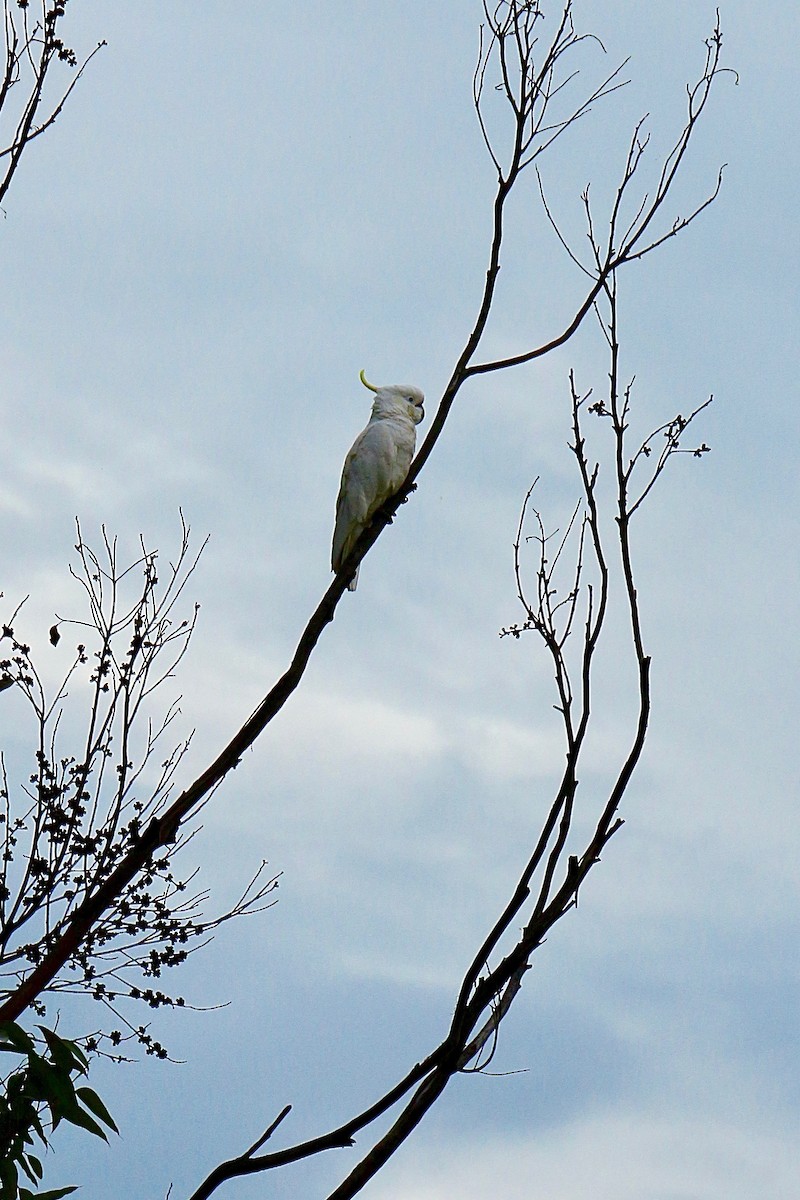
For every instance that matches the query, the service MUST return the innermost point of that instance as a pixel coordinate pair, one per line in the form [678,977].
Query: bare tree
[566,605]
[535,79]
[547,890]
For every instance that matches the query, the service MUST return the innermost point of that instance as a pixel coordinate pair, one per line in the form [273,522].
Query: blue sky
[232,216]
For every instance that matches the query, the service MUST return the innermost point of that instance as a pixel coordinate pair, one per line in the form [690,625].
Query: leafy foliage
[42,1083]
[99,776]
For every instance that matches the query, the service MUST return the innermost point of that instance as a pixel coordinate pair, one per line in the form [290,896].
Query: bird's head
[398,398]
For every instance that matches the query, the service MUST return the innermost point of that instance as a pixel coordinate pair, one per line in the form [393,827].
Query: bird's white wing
[374,469]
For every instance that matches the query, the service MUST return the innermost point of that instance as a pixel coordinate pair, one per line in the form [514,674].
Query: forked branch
[548,887]
[529,87]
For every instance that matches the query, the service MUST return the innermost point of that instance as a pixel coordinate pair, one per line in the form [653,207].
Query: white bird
[376,465]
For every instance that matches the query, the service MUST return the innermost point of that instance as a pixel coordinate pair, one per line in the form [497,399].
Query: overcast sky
[239,209]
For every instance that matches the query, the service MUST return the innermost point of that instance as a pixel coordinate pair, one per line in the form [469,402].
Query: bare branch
[30,54]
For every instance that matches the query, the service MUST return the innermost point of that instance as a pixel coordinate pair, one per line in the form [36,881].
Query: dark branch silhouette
[566,608]
[33,47]
[529,92]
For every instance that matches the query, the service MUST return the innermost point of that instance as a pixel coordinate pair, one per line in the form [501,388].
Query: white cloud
[190,302]
[502,750]
[621,1156]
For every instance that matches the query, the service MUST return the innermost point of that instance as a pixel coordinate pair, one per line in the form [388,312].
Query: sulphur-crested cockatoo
[376,466]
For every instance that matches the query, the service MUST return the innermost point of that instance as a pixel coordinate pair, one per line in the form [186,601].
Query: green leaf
[28,1168]
[79,1056]
[77,1116]
[35,1123]
[55,1194]
[34,1164]
[8,1177]
[66,1055]
[13,1033]
[95,1105]
[51,1085]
